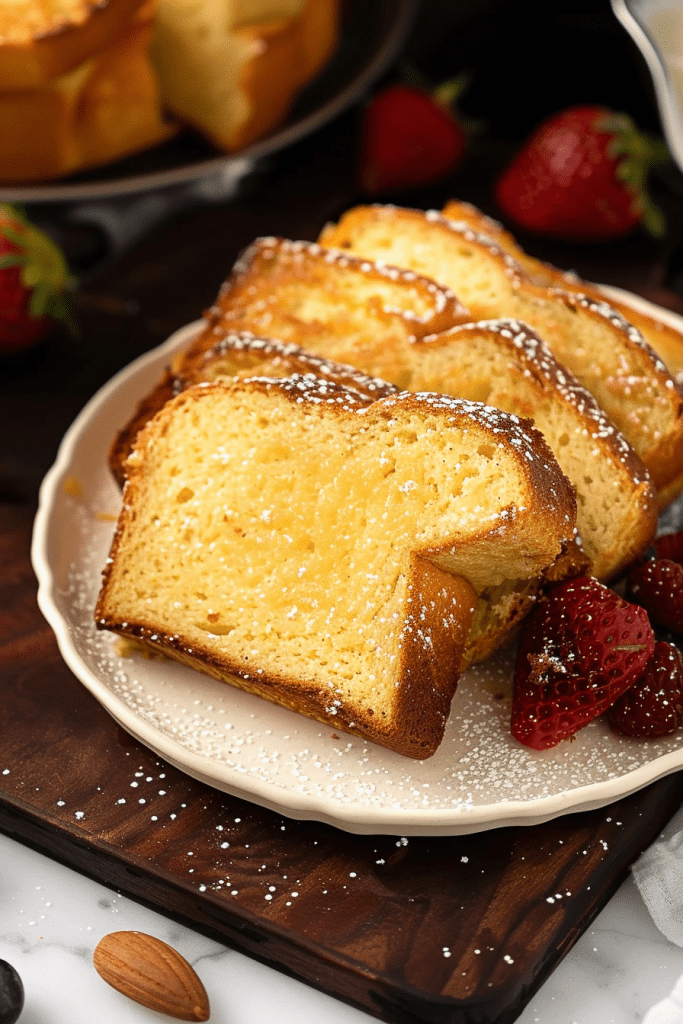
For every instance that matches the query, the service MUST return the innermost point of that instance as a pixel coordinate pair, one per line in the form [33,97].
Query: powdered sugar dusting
[433,298]
[479,778]
[246,745]
[540,362]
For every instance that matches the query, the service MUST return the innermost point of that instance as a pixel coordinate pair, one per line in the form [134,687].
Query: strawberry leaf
[11,259]
[44,272]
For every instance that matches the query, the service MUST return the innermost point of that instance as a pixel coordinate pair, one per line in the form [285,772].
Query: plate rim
[304,806]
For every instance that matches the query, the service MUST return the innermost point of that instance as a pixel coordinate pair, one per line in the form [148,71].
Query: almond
[152,973]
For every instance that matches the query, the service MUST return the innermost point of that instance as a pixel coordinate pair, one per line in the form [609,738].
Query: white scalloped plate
[480,778]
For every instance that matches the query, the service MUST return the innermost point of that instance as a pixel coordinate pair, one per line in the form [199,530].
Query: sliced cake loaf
[352,310]
[236,356]
[606,353]
[502,363]
[324,550]
[666,341]
[221,354]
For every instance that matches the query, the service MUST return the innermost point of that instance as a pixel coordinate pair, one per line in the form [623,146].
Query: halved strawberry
[581,648]
[658,587]
[653,706]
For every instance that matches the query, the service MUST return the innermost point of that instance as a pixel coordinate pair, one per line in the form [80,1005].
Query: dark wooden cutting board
[458,930]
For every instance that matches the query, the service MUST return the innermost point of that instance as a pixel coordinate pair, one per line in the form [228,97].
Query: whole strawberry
[34,280]
[581,177]
[657,586]
[581,648]
[409,137]
[653,706]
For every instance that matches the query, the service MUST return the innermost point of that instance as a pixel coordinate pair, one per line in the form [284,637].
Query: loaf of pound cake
[605,352]
[324,549]
[87,82]
[406,329]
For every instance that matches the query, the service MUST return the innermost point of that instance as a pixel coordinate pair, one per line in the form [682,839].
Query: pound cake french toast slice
[502,363]
[324,550]
[236,356]
[233,355]
[666,341]
[341,307]
[606,353]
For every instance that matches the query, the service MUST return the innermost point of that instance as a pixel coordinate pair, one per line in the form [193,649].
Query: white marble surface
[51,919]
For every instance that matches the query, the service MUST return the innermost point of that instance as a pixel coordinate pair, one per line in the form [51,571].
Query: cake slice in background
[43,39]
[106,107]
[231,70]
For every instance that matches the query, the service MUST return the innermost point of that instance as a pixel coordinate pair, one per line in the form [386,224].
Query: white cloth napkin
[670,1010]
[658,874]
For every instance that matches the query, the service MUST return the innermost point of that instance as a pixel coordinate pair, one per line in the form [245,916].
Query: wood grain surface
[459,930]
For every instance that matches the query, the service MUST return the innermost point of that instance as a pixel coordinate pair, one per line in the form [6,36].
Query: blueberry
[11,994]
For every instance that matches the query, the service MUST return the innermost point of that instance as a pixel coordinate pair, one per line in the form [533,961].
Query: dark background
[525,60]
[529,59]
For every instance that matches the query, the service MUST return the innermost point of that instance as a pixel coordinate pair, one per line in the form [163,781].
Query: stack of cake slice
[362,470]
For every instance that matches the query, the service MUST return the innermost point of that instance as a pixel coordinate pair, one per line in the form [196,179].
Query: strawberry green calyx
[448,93]
[43,270]
[636,154]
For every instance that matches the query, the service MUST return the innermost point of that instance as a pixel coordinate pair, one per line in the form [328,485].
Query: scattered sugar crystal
[274,749]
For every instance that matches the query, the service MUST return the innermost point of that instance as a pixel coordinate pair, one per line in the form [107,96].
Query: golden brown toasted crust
[606,353]
[107,108]
[448,532]
[315,298]
[40,41]
[234,355]
[665,340]
[338,305]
